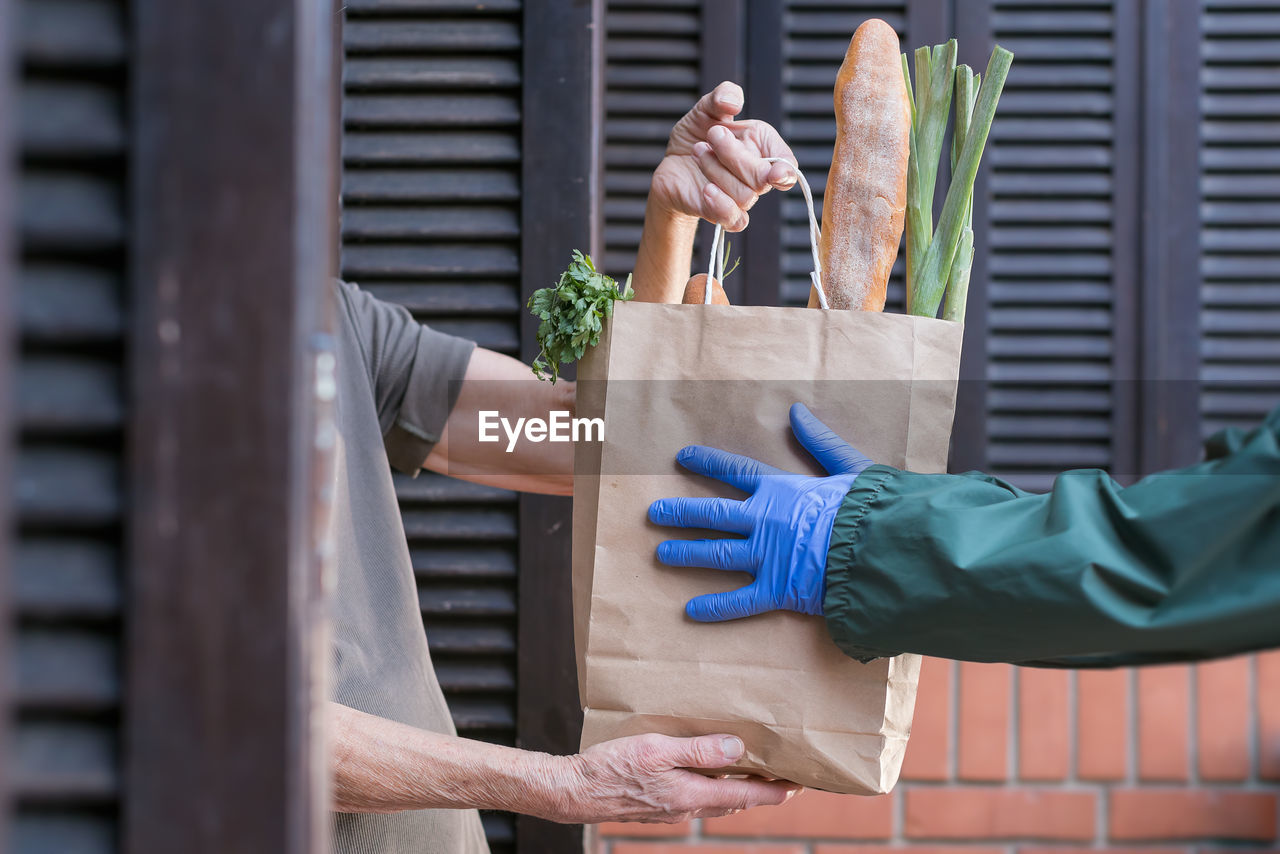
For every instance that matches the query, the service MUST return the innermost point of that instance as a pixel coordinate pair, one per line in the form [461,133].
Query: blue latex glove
[786,520]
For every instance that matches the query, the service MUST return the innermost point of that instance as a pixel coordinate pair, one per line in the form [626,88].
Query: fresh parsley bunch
[572,314]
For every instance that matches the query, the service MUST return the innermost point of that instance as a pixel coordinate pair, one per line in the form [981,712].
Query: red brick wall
[1167,760]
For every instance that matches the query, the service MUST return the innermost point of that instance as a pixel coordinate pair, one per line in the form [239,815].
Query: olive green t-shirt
[396,382]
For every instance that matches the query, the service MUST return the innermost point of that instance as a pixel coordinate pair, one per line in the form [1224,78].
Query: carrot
[695,292]
[864,207]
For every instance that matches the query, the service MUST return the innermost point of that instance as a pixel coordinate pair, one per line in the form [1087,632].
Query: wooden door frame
[1156,276]
[560,211]
[233,192]
[1168,321]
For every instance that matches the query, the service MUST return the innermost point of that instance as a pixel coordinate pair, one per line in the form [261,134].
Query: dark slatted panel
[816,38]
[431,195]
[1240,212]
[652,69]
[72,228]
[1050,226]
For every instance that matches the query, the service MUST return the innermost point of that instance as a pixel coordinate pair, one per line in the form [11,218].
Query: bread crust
[865,203]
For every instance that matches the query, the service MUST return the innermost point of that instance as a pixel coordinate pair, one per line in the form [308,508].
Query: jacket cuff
[840,602]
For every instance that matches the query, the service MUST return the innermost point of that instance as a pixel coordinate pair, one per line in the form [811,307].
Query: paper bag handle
[715,269]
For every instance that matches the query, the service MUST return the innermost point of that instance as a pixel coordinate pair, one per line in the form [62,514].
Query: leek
[939,259]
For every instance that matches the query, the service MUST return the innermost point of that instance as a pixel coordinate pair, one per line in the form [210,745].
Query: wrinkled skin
[713,168]
[645,778]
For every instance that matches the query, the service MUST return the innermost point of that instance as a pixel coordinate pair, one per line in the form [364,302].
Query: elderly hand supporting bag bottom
[666,376]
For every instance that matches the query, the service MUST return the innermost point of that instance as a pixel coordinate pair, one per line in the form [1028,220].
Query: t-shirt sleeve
[415,372]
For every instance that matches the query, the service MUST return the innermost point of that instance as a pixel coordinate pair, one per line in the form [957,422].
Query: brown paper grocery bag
[666,376]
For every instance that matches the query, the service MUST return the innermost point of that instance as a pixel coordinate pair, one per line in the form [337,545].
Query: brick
[985,696]
[910,849]
[929,750]
[697,848]
[1000,813]
[1222,719]
[1269,715]
[1142,814]
[812,814]
[630,828]
[1110,849]
[1102,724]
[1164,722]
[1044,726]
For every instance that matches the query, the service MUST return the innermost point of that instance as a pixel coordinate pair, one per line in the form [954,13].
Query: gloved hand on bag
[786,520]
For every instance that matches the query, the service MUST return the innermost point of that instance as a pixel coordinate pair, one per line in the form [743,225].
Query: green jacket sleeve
[1180,566]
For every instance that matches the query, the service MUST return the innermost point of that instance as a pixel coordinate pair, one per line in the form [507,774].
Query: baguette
[695,292]
[864,207]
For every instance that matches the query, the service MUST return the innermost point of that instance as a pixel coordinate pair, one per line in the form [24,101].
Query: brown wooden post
[234,193]
[561,211]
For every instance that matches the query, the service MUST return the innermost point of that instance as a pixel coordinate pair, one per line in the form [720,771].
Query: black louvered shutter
[1056,335]
[1240,212]
[1058,222]
[431,196]
[72,233]
[653,75]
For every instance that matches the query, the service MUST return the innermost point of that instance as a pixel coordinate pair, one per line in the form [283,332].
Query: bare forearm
[662,264]
[384,767]
[381,767]
[507,386]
